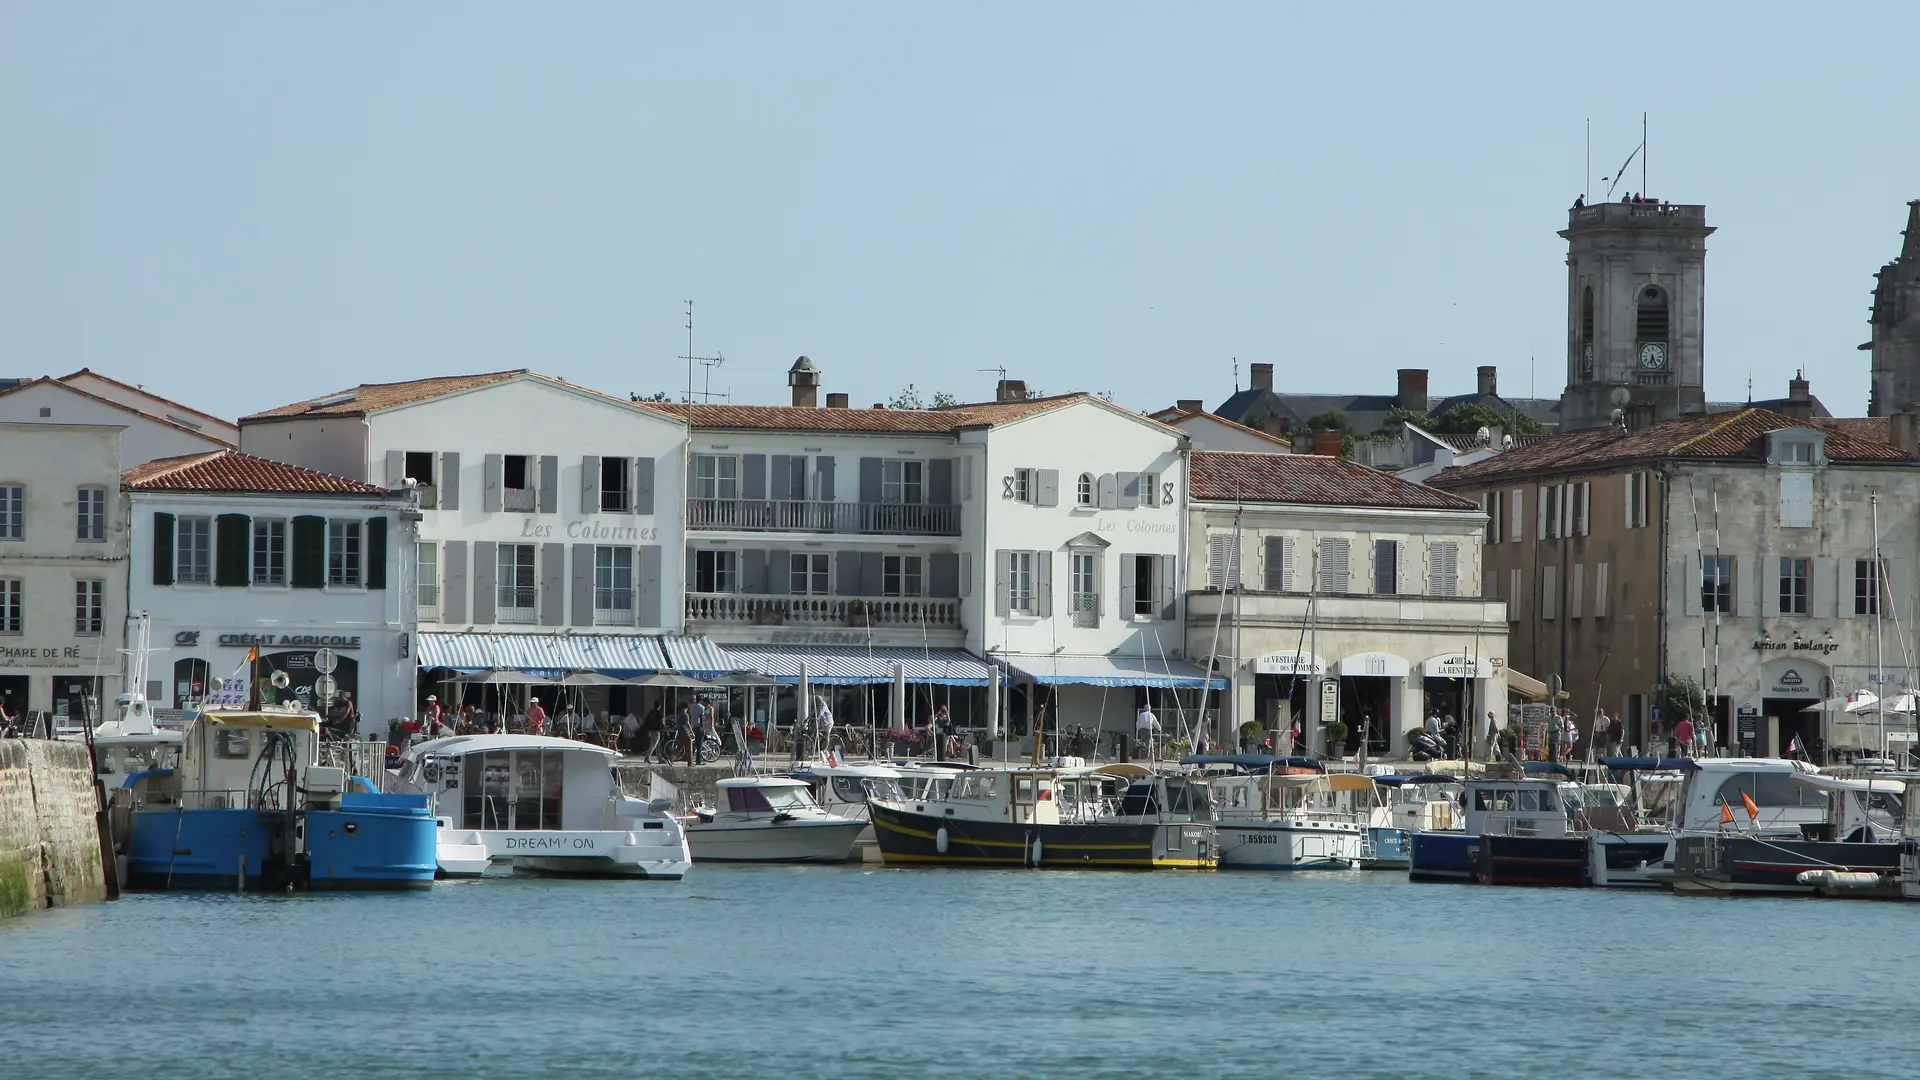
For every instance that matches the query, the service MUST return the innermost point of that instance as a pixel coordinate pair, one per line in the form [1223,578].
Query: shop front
[1453,687]
[1373,703]
[1284,684]
[1790,687]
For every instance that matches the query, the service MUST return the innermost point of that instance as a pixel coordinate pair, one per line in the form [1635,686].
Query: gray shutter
[1769,575]
[396,469]
[753,478]
[643,486]
[1043,583]
[1046,487]
[846,573]
[583,581]
[453,582]
[1169,582]
[943,574]
[1002,581]
[1820,589]
[1109,488]
[753,571]
[1274,578]
[940,481]
[824,465]
[870,573]
[1127,597]
[549,484]
[1899,590]
[1129,490]
[589,484]
[492,484]
[779,571]
[648,573]
[486,573]
[448,491]
[553,584]
[1686,575]
[869,479]
[782,485]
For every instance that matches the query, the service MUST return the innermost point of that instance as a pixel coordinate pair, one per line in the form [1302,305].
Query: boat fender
[1839,879]
[1036,851]
[940,840]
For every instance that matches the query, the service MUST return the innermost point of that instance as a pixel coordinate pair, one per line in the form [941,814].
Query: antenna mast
[1643,155]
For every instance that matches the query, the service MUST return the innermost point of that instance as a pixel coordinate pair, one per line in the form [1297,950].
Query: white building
[1334,591]
[63,572]
[550,533]
[1208,431]
[236,552]
[151,431]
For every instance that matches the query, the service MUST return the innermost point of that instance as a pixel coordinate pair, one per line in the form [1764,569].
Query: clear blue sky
[242,205]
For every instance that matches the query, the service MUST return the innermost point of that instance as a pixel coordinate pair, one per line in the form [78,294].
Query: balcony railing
[741,609]
[1086,610]
[793,515]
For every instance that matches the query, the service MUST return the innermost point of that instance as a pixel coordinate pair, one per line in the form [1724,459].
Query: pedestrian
[1569,735]
[653,729]
[687,720]
[942,724]
[536,718]
[1146,730]
[823,719]
[630,728]
[1683,734]
[1554,729]
[432,713]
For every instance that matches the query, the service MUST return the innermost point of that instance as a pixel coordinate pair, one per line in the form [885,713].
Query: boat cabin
[239,760]
[1522,807]
[515,783]
[763,796]
[1785,806]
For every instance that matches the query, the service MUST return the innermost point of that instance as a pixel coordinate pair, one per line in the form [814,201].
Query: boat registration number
[1262,838]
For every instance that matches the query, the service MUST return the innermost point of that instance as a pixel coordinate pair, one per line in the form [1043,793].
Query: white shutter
[1540,514]
[1515,594]
[1769,572]
[1687,578]
[1286,563]
[1443,569]
[1586,507]
[1796,500]
[1333,565]
[1517,516]
[1820,590]
[1576,582]
[1223,561]
[1549,591]
[1600,590]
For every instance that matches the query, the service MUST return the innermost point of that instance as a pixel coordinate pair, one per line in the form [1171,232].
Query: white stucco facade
[145,438]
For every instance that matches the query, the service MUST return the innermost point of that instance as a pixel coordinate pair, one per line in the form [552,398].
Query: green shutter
[232,537]
[162,549]
[309,552]
[377,553]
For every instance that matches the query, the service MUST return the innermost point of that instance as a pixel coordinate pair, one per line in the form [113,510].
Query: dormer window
[1796,453]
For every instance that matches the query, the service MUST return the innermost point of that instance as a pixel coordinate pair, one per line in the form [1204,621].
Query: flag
[1726,812]
[252,655]
[1753,812]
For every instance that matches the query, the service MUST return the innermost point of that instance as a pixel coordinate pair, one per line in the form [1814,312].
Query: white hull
[1288,845]
[811,840]
[653,849]
[1651,873]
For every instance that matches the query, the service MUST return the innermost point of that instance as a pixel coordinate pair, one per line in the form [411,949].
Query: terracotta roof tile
[1729,436]
[1235,476]
[372,397]
[231,470]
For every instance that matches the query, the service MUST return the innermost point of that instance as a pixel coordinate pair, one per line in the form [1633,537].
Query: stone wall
[49,841]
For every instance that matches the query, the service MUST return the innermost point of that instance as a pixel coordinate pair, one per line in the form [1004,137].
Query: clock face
[1653,356]
[1586,359]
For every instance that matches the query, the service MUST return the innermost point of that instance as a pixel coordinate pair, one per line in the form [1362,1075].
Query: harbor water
[861,972]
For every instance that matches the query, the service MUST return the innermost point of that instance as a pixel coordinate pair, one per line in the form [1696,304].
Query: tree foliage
[1330,420]
[1469,417]
[1681,696]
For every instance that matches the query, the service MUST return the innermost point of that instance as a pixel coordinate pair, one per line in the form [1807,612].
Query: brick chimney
[836,401]
[1262,376]
[1011,390]
[1189,404]
[1799,407]
[1327,443]
[1413,389]
[1488,383]
[805,380]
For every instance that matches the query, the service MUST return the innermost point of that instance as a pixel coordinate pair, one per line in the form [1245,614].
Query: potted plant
[1336,733]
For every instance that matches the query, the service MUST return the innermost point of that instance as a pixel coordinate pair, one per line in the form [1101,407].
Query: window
[1279,567]
[1492,504]
[1333,565]
[1020,592]
[517,474]
[1652,322]
[343,553]
[89,605]
[418,467]
[716,477]
[269,551]
[811,575]
[427,576]
[901,482]
[13,512]
[615,488]
[1144,593]
[12,599]
[1083,490]
[613,586]
[901,575]
[1150,489]
[514,588]
[1716,584]
[193,551]
[1021,486]
[92,514]
[1637,500]
[1223,561]
[1386,567]
[1793,585]
[716,571]
[1443,568]
[1796,453]
[1866,587]
[1084,574]
[1577,503]
[1550,511]
[1796,499]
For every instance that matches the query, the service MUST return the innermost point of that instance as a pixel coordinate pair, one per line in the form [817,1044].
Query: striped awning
[847,666]
[699,657]
[620,655]
[1110,670]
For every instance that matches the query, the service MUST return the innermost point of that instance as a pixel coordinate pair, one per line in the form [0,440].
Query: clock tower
[1636,285]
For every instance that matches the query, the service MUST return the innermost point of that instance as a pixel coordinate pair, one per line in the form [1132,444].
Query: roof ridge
[143,391]
[1716,429]
[48,380]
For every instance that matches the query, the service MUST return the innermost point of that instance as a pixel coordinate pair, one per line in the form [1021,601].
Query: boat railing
[196,799]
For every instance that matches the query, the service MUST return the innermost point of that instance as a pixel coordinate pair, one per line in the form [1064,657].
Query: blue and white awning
[699,657]
[848,666]
[1110,671]
[622,656]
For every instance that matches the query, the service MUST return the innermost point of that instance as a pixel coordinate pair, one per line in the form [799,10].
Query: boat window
[748,800]
[1023,790]
[1530,798]
[1139,800]
[789,798]
[973,786]
[849,789]
[1778,790]
[485,805]
[232,743]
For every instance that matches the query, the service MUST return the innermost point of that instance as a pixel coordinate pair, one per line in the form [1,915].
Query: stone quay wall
[49,837]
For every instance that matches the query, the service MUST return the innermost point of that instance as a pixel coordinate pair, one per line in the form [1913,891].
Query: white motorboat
[542,805]
[770,819]
[1283,821]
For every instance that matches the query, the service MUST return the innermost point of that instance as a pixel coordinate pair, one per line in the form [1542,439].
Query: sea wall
[49,842]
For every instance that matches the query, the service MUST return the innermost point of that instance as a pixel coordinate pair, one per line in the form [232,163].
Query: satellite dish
[280,680]
[1506,443]
[1620,396]
[1483,437]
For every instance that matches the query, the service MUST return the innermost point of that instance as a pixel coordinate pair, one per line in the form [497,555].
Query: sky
[245,205]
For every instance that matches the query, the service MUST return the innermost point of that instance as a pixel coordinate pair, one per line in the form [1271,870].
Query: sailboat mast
[1881,593]
[1313,696]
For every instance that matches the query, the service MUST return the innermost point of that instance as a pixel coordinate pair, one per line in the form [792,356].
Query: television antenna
[708,362]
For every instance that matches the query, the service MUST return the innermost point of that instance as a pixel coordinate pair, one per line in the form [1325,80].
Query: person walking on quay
[685,723]
[536,718]
[1146,730]
[1569,736]
[1683,734]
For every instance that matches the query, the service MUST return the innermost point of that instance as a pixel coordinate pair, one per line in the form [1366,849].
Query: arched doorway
[190,685]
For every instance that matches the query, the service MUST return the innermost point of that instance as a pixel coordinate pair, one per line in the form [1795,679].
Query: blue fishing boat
[248,806]
[1518,831]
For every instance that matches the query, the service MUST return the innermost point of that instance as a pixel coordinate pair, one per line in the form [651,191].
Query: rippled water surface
[868,972]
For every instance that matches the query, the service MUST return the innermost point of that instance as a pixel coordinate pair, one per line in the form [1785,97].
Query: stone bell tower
[1896,327]
[1636,300]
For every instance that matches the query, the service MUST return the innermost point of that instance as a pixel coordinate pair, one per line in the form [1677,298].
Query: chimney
[805,380]
[1011,390]
[1489,382]
[1189,404]
[1799,407]
[1903,430]
[836,401]
[1262,376]
[1327,443]
[1274,425]
[1413,389]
